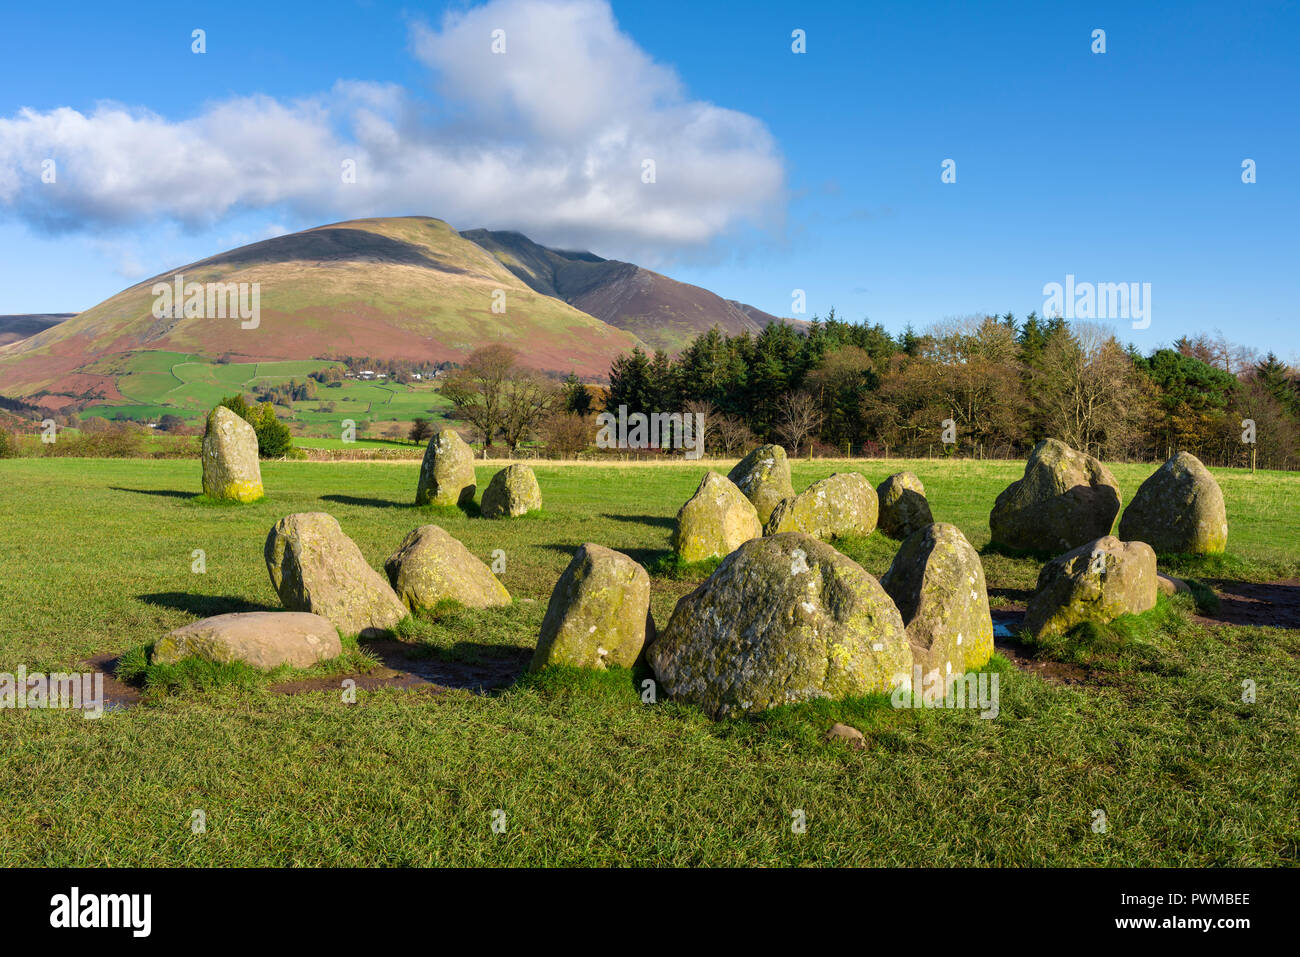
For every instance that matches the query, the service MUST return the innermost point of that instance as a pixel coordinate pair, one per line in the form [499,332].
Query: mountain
[662,312]
[407,287]
[14,328]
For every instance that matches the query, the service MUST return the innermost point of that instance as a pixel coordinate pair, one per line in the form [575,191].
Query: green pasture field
[1150,728]
[157,383]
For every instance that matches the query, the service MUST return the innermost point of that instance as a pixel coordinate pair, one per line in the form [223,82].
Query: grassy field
[96,557]
[158,383]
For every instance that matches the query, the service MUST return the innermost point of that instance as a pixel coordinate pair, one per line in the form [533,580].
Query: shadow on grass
[659,521]
[365,502]
[204,606]
[645,557]
[157,492]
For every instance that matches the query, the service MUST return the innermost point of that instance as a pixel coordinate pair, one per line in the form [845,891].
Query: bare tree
[731,435]
[798,417]
[526,398]
[477,388]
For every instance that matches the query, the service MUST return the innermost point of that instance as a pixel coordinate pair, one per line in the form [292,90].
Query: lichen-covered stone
[844,504]
[764,477]
[1066,498]
[937,582]
[431,566]
[783,619]
[1178,509]
[512,492]
[1098,581]
[903,506]
[315,567]
[599,613]
[715,521]
[447,472]
[231,470]
[263,639]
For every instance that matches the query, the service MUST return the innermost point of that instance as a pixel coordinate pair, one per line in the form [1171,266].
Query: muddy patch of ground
[1006,621]
[401,670]
[1266,605]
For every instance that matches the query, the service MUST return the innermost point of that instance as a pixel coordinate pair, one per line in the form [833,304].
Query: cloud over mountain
[549,136]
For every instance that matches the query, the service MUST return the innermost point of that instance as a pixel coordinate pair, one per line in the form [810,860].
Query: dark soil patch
[402,670]
[1025,657]
[1269,605]
[117,694]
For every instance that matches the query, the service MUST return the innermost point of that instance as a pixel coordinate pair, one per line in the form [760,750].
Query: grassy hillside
[97,559]
[387,288]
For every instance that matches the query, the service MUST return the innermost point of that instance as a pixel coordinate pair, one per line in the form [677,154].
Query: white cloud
[548,138]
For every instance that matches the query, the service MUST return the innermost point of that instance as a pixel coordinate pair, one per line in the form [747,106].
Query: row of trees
[989,385]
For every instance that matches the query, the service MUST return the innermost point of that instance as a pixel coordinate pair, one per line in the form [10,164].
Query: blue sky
[775,171]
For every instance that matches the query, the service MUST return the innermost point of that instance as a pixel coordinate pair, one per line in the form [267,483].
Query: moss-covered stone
[263,639]
[1065,498]
[1098,581]
[1178,509]
[764,477]
[431,566]
[843,504]
[231,470]
[512,492]
[599,613]
[715,521]
[783,619]
[937,582]
[903,506]
[447,472]
[314,567]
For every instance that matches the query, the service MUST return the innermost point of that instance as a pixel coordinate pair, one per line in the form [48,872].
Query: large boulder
[715,521]
[447,472]
[599,613]
[263,639]
[1098,581]
[783,619]
[431,566]
[937,582]
[1066,498]
[903,506]
[844,504]
[231,470]
[512,492]
[764,476]
[1178,509]
[315,567]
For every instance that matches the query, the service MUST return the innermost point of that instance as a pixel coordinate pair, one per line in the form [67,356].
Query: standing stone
[903,507]
[1066,498]
[1098,581]
[937,582]
[844,504]
[1178,509]
[783,619]
[230,467]
[715,521]
[764,477]
[599,613]
[315,567]
[263,639]
[512,492]
[431,566]
[447,472]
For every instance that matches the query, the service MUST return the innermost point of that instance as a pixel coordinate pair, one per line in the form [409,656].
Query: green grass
[96,557]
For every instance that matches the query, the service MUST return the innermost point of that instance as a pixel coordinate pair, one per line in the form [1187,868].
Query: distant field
[96,556]
[158,383]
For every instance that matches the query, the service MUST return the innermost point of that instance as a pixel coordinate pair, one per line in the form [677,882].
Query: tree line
[990,386]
